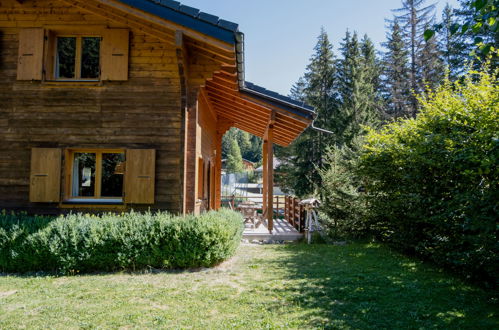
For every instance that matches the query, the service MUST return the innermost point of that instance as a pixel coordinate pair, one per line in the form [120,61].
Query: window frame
[97,198]
[78,56]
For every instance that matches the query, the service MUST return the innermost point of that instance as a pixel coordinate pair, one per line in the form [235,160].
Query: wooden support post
[218,170]
[270,180]
[265,179]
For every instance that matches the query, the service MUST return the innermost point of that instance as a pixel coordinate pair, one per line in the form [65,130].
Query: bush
[109,242]
[433,180]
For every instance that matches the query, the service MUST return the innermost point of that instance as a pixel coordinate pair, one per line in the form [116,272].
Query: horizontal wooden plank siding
[143,112]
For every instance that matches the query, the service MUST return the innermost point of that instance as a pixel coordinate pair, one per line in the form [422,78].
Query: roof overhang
[242,104]
[255,112]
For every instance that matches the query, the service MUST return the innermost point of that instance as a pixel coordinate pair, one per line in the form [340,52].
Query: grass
[271,286]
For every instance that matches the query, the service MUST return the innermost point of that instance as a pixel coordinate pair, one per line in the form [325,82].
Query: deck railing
[285,207]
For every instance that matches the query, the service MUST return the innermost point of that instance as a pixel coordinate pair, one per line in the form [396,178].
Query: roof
[246,105]
[297,107]
[189,17]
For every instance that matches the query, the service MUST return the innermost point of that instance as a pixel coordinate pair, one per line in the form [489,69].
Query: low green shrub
[109,242]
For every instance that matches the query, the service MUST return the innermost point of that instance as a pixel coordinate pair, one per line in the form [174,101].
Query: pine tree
[432,66]
[414,17]
[396,73]
[359,103]
[301,162]
[234,158]
[243,140]
[298,90]
[227,139]
[454,46]
[372,67]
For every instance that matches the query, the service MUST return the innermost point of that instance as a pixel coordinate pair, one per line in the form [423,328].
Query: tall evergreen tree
[396,73]
[298,90]
[230,135]
[454,46]
[357,95]
[372,68]
[234,158]
[299,171]
[414,17]
[432,66]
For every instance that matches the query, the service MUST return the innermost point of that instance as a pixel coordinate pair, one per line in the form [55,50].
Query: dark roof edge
[188,17]
[304,111]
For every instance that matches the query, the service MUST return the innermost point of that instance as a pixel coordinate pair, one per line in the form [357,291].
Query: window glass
[113,169]
[90,57]
[66,57]
[83,175]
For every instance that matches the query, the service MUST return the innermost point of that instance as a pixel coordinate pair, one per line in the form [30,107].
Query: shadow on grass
[370,286]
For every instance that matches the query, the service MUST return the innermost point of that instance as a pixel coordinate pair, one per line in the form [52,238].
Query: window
[73,54]
[96,176]
[77,58]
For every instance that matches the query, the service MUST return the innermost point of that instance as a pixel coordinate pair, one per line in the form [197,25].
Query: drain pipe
[320,129]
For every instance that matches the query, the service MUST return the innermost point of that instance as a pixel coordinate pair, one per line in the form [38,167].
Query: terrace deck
[283,231]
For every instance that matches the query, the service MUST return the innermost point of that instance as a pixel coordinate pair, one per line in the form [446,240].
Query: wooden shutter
[50,52]
[140,176]
[114,57]
[45,178]
[30,57]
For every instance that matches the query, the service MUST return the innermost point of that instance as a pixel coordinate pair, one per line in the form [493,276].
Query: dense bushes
[432,182]
[82,243]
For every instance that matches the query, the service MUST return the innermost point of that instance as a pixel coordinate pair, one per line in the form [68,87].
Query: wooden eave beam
[230,83]
[169,25]
[235,96]
[223,124]
[204,96]
[270,124]
[233,106]
[156,27]
[222,57]
[279,110]
[231,99]
[258,129]
[105,12]
[229,113]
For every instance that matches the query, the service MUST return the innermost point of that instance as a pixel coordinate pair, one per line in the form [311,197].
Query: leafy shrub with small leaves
[432,181]
[109,242]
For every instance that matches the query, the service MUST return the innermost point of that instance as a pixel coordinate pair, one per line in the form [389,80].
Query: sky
[280,34]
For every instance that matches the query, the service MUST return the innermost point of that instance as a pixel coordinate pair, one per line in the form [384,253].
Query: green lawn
[270,286]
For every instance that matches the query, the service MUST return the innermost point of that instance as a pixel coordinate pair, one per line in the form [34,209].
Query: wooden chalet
[120,104]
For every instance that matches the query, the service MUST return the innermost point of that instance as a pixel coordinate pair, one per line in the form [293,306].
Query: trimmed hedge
[110,242]
[432,182]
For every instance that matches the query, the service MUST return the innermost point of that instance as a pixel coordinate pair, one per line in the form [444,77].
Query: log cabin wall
[206,132]
[143,112]
[197,128]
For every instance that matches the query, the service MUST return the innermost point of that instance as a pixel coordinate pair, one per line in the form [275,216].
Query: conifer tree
[299,171]
[230,135]
[234,158]
[454,46]
[396,73]
[432,66]
[357,95]
[413,18]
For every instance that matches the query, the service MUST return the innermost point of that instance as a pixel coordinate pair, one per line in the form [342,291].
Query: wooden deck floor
[283,231]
